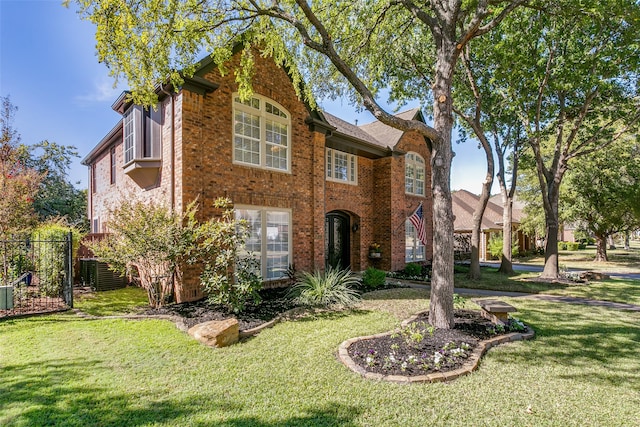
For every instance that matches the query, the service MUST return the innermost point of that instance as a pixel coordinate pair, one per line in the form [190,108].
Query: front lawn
[582,369]
[616,290]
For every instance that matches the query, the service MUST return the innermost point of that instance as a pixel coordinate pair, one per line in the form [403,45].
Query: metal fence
[36,275]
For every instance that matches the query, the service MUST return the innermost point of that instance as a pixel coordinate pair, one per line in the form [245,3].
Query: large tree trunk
[551,267]
[476,233]
[478,213]
[601,248]
[506,265]
[442,282]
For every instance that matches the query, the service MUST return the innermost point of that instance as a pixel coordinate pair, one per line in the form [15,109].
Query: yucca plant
[323,289]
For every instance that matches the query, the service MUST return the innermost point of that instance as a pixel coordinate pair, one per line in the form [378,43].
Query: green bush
[495,247]
[562,246]
[573,246]
[413,270]
[373,278]
[333,287]
[51,255]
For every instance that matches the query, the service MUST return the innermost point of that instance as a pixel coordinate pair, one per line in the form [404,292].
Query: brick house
[464,204]
[316,189]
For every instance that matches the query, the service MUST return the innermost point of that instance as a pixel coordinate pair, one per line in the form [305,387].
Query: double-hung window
[414,173]
[261,133]
[342,167]
[414,249]
[270,239]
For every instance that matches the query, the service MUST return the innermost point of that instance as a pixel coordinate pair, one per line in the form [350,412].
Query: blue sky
[49,68]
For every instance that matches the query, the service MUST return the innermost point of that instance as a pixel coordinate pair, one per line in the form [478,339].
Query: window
[414,174]
[142,133]
[261,133]
[270,240]
[112,156]
[342,167]
[414,249]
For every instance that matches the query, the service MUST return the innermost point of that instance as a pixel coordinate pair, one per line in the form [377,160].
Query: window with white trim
[342,167]
[414,249]
[270,239]
[261,130]
[414,173]
[142,133]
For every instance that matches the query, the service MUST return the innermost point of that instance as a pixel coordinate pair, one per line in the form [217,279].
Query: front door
[337,245]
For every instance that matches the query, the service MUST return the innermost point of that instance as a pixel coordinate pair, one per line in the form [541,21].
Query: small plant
[414,333]
[375,248]
[333,287]
[413,270]
[459,301]
[373,278]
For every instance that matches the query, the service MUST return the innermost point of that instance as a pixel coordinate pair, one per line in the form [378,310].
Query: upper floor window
[342,166]
[142,133]
[414,172]
[261,132]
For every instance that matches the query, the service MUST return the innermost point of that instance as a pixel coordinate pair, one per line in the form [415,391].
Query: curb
[471,365]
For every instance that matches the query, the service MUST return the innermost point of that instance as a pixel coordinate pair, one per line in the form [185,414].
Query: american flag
[417,219]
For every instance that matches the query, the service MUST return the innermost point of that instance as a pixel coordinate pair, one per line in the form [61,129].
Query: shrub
[156,243]
[573,246]
[562,246]
[373,278]
[495,247]
[228,278]
[50,260]
[413,270]
[333,287]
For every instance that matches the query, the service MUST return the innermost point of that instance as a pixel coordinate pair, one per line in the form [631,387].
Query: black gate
[36,275]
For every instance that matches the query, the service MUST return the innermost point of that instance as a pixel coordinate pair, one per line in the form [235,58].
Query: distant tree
[574,86]
[603,192]
[18,183]
[58,197]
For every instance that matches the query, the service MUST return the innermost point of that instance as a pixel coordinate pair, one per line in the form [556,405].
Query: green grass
[581,370]
[616,290]
[119,301]
[620,259]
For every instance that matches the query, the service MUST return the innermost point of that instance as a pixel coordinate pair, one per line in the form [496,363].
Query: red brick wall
[208,171]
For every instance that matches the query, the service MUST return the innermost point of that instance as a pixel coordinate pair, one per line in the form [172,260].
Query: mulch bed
[274,303]
[420,350]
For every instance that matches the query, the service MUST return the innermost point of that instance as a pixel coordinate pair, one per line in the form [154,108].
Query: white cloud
[102,91]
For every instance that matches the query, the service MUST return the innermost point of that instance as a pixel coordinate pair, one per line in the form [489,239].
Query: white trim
[352,166]
[263,235]
[263,116]
[415,161]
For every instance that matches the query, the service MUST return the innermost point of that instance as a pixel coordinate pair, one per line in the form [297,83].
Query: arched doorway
[337,245]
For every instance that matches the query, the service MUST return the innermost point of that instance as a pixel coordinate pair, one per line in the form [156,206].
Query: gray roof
[376,133]
[386,134]
[351,130]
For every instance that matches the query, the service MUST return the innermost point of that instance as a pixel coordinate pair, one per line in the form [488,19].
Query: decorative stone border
[472,361]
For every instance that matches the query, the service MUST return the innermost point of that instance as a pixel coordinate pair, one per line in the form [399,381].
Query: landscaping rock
[216,333]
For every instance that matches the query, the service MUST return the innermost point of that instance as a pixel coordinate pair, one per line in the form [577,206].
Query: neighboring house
[316,190]
[464,203]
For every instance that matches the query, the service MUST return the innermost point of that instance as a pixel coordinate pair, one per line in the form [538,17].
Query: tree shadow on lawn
[53,393]
[592,350]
